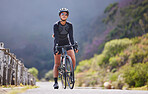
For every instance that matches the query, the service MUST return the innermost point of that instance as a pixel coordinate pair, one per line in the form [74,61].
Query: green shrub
[83,65]
[110,7]
[114,70]
[124,56]
[102,59]
[144,42]
[145,36]
[137,75]
[113,61]
[136,40]
[145,2]
[137,56]
[49,75]
[113,77]
[33,71]
[116,46]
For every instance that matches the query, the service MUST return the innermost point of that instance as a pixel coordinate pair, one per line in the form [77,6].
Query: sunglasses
[64,14]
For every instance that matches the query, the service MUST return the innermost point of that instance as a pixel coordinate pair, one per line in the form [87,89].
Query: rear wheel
[69,72]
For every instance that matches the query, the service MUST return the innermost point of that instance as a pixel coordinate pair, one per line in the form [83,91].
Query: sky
[34,17]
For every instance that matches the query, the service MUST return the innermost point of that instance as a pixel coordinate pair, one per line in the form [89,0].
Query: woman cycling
[63,35]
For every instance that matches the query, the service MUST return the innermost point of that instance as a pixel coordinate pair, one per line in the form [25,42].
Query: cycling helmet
[63,10]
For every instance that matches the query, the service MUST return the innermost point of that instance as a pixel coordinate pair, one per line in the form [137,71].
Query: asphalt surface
[47,88]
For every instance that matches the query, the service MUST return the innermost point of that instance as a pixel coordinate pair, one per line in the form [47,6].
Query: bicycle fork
[61,69]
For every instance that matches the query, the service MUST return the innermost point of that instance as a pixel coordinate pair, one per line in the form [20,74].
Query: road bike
[66,69]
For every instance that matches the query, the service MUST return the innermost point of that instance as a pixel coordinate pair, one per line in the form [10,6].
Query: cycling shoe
[56,86]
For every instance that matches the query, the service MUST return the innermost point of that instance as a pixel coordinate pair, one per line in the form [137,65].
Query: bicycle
[66,70]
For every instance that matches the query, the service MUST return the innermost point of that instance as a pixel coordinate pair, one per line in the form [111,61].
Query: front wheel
[69,72]
[63,78]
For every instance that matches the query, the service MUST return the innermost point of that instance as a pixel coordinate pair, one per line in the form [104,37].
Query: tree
[33,71]
[49,75]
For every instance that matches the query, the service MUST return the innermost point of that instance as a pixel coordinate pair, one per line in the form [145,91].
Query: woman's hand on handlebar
[76,47]
[57,52]
[52,35]
[76,50]
[56,49]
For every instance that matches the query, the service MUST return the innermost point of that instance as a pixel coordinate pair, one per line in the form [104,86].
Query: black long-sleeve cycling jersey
[61,33]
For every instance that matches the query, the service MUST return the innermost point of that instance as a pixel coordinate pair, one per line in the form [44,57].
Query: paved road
[46,88]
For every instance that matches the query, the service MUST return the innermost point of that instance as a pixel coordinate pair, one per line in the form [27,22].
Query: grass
[139,88]
[15,89]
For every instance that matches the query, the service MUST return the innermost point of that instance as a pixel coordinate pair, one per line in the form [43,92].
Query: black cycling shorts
[62,43]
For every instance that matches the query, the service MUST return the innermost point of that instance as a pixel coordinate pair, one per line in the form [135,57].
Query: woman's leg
[72,55]
[57,60]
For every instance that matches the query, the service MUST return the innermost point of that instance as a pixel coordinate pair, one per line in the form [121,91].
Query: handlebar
[65,46]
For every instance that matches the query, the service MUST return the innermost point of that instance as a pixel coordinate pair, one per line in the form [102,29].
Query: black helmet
[63,10]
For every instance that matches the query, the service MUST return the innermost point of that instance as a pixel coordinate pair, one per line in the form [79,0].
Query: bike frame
[63,57]
[63,65]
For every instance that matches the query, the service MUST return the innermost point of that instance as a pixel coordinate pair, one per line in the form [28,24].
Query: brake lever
[56,48]
[76,46]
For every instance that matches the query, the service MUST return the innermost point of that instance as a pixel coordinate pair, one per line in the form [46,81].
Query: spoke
[70,73]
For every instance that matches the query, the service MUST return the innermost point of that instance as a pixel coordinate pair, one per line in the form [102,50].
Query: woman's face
[64,15]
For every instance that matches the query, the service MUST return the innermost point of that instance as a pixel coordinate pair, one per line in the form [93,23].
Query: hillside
[123,19]
[127,18]
[125,48]
[118,56]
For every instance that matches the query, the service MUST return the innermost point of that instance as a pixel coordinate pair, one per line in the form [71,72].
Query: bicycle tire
[69,72]
[63,78]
